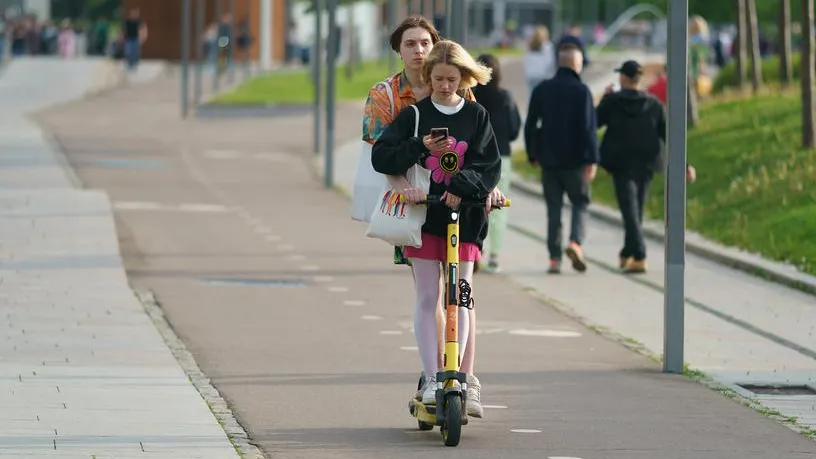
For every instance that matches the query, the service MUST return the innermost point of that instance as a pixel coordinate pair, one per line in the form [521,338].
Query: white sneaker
[429,394]
[474,397]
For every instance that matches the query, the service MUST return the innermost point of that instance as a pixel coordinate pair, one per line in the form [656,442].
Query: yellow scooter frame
[451,392]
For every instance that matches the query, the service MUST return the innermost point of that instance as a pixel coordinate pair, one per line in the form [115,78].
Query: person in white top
[539,59]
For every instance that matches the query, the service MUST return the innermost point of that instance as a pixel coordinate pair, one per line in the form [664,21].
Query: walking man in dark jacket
[632,151]
[560,136]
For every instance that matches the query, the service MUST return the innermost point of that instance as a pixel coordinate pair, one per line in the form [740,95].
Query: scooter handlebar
[435,199]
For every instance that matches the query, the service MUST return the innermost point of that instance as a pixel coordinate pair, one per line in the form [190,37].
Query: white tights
[426,285]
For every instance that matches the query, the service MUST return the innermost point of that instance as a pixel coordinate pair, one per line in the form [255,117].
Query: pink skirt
[435,248]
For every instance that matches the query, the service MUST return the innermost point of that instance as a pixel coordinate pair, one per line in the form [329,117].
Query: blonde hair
[452,53]
[540,36]
[698,25]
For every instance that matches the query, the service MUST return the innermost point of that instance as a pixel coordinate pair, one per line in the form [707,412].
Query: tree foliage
[720,11]
[76,9]
[714,11]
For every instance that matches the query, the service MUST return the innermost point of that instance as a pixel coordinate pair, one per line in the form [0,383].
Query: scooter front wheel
[452,429]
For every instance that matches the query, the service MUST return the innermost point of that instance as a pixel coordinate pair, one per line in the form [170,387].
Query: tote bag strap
[390,95]
[416,121]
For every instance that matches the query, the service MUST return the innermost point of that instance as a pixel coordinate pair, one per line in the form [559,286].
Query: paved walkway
[740,329]
[304,325]
[83,371]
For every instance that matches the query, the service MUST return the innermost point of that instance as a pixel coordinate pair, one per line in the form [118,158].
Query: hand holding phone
[439,132]
[437,140]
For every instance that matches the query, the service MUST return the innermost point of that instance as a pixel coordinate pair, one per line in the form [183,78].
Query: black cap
[630,69]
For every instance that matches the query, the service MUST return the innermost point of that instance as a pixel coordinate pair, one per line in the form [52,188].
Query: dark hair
[489,95]
[490,61]
[412,22]
[568,46]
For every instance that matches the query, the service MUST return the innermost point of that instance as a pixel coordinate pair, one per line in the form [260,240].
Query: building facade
[39,8]
[164,19]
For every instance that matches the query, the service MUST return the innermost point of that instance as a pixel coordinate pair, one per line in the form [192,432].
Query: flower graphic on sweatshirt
[444,163]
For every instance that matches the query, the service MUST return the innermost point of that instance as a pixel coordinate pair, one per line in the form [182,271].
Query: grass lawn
[295,87]
[754,185]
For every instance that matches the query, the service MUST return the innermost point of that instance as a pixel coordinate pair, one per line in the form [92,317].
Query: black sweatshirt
[560,130]
[635,131]
[504,115]
[397,150]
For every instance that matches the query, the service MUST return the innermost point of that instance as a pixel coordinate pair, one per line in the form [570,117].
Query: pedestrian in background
[632,151]
[573,38]
[67,40]
[134,35]
[506,121]
[539,58]
[560,136]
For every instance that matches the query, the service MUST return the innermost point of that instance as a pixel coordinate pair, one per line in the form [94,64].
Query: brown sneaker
[624,261]
[635,267]
[576,255]
[555,267]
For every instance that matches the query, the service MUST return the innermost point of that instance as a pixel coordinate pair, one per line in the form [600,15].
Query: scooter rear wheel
[452,429]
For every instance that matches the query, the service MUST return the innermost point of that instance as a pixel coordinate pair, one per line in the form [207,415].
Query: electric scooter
[451,392]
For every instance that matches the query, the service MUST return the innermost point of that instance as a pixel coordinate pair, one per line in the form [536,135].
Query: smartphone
[439,132]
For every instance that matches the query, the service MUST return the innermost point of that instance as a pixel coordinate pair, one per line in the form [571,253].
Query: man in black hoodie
[560,136]
[632,151]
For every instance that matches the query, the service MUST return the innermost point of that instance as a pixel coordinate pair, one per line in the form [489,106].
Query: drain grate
[778,389]
[255,282]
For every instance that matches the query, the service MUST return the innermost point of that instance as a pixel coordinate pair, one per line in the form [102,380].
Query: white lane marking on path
[137,205]
[310,268]
[157,206]
[221,154]
[562,457]
[323,278]
[203,208]
[275,157]
[370,317]
[494,407]
[525,431]
[390,332]
[354,303]
[545,333]
[488,331]
[409,348]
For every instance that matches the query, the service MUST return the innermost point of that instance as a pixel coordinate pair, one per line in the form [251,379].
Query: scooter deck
[424,413]
[427,413]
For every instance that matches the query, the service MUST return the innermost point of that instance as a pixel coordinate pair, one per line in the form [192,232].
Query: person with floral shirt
[413,40]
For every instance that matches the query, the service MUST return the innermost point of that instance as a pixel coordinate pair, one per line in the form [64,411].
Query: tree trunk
[808,76]
[753,41]
[785,56]
[742,48]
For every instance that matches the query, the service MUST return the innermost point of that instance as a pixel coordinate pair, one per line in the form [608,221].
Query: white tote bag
[368,183]
[394,220]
